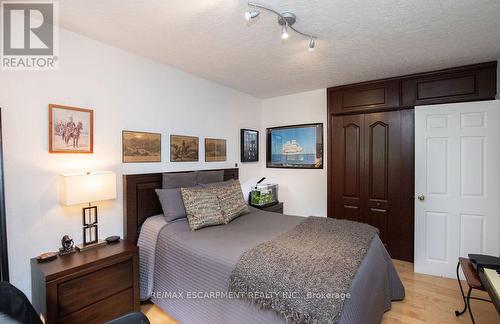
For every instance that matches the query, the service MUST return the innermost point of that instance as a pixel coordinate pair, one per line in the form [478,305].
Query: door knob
[421,197]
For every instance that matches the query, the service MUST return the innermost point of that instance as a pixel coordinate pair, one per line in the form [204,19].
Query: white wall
[126,92]
[302,191]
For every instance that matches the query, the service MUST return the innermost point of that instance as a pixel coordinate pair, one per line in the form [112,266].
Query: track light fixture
[286,20]
[284,32]
[312,44]
[249,15]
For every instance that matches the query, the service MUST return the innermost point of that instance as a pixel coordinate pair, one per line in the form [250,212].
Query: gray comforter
[187,273]
[306,273]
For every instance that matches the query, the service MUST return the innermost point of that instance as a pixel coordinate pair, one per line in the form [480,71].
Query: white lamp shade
[80,188]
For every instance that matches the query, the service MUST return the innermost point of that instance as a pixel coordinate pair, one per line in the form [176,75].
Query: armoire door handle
[379,210]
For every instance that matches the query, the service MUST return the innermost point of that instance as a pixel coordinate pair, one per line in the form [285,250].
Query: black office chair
[16,308]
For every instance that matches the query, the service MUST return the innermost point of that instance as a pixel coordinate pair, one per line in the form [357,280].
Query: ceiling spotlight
[251,14]
[284,32]
[312,44]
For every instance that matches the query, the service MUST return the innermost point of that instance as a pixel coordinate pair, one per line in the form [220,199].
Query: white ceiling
[358,40]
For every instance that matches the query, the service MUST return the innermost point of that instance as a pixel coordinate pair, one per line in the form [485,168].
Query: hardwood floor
[432,299]
[156,315]
[428,299]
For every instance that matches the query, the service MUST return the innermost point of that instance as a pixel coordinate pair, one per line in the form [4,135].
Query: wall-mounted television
[295,147]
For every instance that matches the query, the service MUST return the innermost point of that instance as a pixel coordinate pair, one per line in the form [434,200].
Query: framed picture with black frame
[295,147]
[249,145]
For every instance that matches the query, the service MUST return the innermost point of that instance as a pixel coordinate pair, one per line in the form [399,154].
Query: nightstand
[93,286]
[276,208]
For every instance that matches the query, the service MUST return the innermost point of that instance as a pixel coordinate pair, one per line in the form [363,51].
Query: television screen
[299,146]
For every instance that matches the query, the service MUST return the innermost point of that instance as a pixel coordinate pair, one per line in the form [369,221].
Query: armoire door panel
[377,161]
[364,97]
[351,212]
[347,141]
[369,158]
[402,245]
[468,83]
[351,201]
[382,142]
[352,160]
[377,203]
[379,218]
[378,138]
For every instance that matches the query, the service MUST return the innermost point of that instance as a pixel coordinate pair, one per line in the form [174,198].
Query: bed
[186,272]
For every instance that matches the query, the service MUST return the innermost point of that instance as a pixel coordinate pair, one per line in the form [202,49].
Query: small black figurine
[67,245]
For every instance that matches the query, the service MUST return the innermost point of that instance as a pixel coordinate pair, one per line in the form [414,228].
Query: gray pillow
[179,180]
[171,203]
[209,176]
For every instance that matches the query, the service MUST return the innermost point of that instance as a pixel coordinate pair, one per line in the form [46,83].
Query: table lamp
[80,188]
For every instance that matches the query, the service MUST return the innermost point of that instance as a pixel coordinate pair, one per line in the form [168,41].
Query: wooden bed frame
[140,200]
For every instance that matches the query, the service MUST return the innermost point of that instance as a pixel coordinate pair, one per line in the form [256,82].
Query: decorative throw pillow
[202,207]
[171,203]
[231,200]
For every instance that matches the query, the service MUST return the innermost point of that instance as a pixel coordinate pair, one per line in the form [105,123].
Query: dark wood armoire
[371,146]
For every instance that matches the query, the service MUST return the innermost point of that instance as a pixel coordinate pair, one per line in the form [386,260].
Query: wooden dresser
[93,286]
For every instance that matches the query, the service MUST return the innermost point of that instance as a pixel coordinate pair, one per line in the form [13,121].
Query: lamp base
[83,247]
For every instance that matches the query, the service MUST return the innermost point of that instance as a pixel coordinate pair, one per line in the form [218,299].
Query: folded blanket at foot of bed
[306,273]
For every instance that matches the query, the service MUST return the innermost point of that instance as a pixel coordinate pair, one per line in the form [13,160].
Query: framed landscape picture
[295,147]
[71,130]
[140,147]
[184,148]
[249,145]
[215,150]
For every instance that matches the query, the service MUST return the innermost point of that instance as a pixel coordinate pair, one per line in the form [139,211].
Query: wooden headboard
[140,200]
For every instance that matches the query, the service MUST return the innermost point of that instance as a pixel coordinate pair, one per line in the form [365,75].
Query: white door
[457,163]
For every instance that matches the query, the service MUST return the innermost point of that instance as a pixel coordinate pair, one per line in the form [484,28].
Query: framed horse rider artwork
[71,130]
